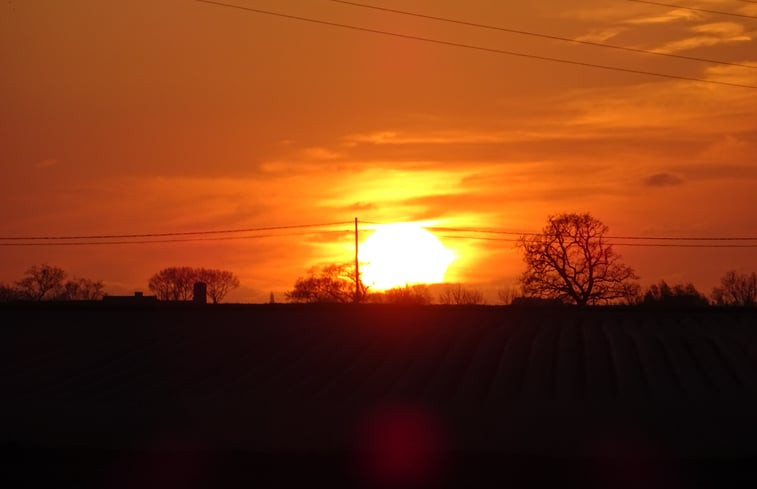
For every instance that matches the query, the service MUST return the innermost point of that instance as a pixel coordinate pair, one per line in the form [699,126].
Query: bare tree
[82,289]
[458,295]
[8,293]
[219,283]
[173,284]
[43,282]
[736,290]
[417,294]
[332,283]
[570,261]
[177,283]
[507,296]
[663,294]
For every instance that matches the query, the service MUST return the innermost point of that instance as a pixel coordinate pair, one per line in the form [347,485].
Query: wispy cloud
[602,35]
[320,153]
[677,15]
[46,163]
[712,34]
[663,180]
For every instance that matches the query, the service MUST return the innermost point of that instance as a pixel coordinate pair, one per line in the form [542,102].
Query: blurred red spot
[401,446]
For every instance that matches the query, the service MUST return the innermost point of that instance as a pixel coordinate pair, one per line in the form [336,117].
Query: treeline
[570,262]
[177,283]
[336,284]
[49,283]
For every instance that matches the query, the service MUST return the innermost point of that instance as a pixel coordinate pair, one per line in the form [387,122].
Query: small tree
[43,282]
[82,289]
[570,261]
[408,295]
[219,283]
[173,284]
[331,284]
[9,293]
[458,295]
[736,290]
[507,296]
[679,295]
[177,283]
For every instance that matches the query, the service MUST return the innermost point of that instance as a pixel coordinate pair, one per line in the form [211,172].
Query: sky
[175,115]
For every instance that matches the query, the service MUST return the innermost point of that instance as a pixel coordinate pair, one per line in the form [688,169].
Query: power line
[660,245]
[643,238]
[160,241]
[696,9]
[635,245]
[540,35]
[479,48]
[161,235]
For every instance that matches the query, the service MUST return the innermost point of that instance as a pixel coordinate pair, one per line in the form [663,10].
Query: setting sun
[403,254]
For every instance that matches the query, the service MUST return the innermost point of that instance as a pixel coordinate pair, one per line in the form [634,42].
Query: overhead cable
[166,234]
[635,245]
[644,238]
[161,241]
[541,35]
[695,9]
[479,48]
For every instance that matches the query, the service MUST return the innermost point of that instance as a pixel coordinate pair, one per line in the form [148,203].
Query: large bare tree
[82,289]
[456,294]
[218,282]
[42,282]
[571,261]
[332,283]
[736,289]
[177,283]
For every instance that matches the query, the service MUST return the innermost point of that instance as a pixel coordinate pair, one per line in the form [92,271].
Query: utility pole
[357,266]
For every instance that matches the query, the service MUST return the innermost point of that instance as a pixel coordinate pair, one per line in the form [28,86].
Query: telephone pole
[357,266]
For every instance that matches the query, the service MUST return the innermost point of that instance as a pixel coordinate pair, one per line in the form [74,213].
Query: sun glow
[403,254]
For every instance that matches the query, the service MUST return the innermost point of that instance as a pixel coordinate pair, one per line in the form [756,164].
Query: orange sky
[143,116]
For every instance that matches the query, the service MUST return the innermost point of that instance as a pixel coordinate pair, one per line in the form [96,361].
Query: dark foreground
[376,396]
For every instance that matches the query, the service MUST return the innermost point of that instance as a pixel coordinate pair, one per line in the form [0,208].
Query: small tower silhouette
[200,293]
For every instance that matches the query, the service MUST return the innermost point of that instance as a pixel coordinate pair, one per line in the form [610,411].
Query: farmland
[281,394]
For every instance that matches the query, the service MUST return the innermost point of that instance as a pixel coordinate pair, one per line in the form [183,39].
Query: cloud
[727,29]
[319,153]
[602,35]
[677,15]
[699,41]
[361,206]
[712,34]
[663,180]
[438,137]
[46,163]
[734,74]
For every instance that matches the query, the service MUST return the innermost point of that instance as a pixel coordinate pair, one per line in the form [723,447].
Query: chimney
[200,293]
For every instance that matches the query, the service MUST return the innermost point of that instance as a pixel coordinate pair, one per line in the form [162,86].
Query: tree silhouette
[219,283]
[663,294]
[507,296]
[177,283]
[570,261]
[43,282]
[330,284]
[9,293]
[736,290]
[417,294]
[458,295]
[82,289]
[173,284]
